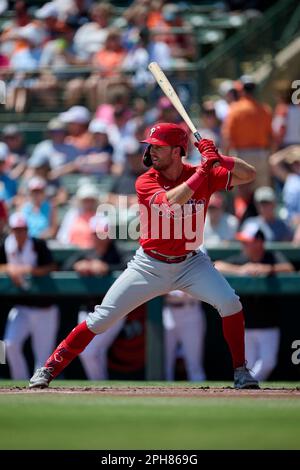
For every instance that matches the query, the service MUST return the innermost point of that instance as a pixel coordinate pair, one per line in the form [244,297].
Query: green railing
[70,284]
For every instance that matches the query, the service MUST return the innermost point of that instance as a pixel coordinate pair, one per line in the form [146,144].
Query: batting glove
[201,173]
[226,162]
[207,148]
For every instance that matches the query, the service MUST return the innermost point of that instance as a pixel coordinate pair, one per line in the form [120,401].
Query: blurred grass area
[55,421]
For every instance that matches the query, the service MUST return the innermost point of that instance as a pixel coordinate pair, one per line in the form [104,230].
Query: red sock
[234,333]
[69,348]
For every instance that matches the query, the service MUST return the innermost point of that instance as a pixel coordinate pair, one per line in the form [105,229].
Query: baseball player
[173,197]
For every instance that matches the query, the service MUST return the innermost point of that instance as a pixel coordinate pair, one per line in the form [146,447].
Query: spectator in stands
[25,63]
[98,158]
[228,94]
[58,54]
[247,130]
[20,256]
[4,63]
[39,212]
[158,50]
[243,203]
[285,165]
[219,226]
[296,238]
[118,98]
[77,119]
[55,149]
[137,123]
[210,125]
[209,128]
[124,184]
[137,59]
[75,227]
[3,220]
[3,6]
[184,325]
[118,132]
[18,154]
[262,314]
[164,111]
[8,186]
[155,13]
[21,15]
[274,228]
[102,259]
[47,18]
[182,45]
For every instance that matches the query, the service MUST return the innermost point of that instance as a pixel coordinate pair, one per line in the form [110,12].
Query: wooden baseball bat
[169,91]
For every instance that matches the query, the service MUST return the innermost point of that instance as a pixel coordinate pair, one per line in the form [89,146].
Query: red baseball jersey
[169,231]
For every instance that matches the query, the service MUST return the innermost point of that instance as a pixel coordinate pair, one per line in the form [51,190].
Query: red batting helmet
[165,134]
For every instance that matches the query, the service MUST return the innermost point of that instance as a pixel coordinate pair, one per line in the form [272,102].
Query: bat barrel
[197,136]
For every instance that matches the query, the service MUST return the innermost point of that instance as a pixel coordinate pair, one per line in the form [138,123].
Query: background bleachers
[264,43]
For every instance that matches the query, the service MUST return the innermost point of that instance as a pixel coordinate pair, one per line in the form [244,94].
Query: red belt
[169,259]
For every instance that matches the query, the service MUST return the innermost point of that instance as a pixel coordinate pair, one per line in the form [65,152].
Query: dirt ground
[161,391]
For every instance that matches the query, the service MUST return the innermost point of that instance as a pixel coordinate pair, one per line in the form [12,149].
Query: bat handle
[197,136]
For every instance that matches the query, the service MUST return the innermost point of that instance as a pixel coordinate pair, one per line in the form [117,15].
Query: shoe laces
[248,368]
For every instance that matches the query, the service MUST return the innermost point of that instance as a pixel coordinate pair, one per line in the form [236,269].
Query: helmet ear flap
[147,157]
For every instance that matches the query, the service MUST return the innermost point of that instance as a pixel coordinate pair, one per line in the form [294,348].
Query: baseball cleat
[41,378]
[243,379]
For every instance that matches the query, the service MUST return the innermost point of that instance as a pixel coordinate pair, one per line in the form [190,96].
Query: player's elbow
[250,174]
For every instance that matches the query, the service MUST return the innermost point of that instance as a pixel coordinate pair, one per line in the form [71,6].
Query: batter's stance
[166,261]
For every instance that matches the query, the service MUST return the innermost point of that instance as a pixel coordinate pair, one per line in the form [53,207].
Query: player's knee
[268,364]
[99,320]
[230,304]
[88,353]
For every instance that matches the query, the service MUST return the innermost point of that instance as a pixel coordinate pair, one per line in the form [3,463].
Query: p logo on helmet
[168,135]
